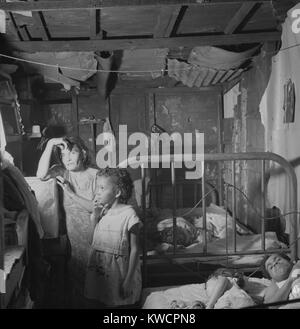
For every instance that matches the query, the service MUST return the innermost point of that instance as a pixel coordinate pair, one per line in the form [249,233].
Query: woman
[78,181]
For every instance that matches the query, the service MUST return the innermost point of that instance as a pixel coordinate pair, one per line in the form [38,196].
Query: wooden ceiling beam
[16,28]
[39,24]
[238,18]
[93,23]
[146,43]
[24,33]
[98,4]
[166,21]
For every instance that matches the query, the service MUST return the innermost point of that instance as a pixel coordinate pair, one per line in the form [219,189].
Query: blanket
[191,294]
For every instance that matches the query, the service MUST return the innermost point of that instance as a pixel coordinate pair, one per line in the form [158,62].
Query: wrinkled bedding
[190,233]
[189,226]
[189,295]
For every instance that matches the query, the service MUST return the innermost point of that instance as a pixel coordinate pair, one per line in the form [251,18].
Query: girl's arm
[133,259]
[219,289]
[44,162]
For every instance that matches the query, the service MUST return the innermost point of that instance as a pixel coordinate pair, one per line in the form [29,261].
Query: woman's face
[278,267]
[71,159]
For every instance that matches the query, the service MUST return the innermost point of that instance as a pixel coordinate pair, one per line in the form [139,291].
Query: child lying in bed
[285,278]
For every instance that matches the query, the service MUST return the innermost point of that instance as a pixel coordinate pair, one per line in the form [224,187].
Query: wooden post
[2,246]
[75,122]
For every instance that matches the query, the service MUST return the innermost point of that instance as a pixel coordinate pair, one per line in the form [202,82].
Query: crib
[238,248]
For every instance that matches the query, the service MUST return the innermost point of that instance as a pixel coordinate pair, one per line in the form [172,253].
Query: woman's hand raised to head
[44,162]
[60,142]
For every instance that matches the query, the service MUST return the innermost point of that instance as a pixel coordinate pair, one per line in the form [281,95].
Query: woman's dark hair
[72,141]
[263,263]
[123,181]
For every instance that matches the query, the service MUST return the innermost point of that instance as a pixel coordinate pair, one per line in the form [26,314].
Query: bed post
[144,220]
[173,177]
[233,206]
[263,205]
[204,212]
[2,241]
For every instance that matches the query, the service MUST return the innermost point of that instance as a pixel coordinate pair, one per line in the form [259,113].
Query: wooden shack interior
[76,67]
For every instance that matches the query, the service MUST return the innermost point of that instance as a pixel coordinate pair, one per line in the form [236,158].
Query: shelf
[13,138]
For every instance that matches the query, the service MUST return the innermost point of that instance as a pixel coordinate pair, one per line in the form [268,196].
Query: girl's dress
[78,225]
[109,258]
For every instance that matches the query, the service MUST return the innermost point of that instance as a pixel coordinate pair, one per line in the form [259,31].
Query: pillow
[216,222]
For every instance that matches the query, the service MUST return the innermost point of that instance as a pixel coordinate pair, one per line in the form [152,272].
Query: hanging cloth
[282,135]
[110,143]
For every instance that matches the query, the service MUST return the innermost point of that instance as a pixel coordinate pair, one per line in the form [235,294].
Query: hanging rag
[110,143]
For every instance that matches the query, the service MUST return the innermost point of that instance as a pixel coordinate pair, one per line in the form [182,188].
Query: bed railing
[145,162]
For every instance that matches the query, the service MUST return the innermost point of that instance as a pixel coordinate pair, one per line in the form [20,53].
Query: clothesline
[128,71]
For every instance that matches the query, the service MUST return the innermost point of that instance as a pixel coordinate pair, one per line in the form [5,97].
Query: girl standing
[113,275]
[77,178]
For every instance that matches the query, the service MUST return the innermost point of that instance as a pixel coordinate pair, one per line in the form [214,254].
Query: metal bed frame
[223,157]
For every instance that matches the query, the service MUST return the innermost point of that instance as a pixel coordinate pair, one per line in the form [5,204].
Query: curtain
[283,137]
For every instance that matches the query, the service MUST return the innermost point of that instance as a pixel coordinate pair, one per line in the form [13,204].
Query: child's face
[107,190]
[278,267]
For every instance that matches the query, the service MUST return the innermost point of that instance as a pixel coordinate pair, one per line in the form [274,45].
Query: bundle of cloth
[189,227]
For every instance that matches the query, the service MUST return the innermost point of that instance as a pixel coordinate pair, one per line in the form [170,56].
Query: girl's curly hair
[123,181]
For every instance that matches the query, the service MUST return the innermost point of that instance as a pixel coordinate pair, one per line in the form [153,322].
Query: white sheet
[161,299]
